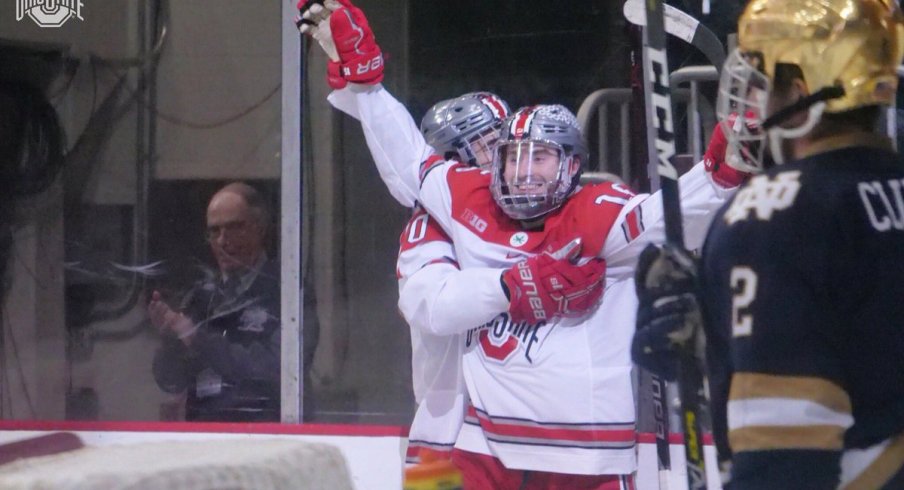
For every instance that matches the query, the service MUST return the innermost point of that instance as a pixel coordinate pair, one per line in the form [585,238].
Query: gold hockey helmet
[847,50]
[856,44]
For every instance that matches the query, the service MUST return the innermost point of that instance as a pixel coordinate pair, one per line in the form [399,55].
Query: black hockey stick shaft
[652,407]
[709,44]
[657,386]
[659,402]
[659,110]
[690,390]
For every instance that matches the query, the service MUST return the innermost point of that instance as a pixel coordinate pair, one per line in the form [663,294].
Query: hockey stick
[681,25]
[662,141]
[300,20]
[658,401]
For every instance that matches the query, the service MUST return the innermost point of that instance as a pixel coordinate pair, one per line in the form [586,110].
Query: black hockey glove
[668,316]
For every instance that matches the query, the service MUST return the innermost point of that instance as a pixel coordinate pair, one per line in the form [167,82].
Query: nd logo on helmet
[49,13]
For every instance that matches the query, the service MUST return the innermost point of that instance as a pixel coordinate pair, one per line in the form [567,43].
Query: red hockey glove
[551,285]
[361,60]
[344,33]
[715,162]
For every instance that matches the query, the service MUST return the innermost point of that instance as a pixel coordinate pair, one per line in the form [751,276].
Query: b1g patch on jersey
[763,196]
[474,221]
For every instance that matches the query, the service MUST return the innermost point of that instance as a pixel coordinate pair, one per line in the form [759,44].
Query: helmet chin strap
[815,104]
[777,134]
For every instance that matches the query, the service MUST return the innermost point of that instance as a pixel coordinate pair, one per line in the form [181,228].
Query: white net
[184,465]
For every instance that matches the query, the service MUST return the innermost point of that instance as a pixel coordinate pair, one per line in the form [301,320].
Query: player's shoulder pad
[595,208]
[463,179]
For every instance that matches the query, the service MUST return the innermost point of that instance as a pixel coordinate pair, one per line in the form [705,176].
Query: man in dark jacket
[223,344]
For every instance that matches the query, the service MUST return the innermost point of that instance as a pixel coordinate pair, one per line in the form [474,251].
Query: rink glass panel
[126,217]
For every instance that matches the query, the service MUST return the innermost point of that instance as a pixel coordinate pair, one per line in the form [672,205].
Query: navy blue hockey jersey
[803,290]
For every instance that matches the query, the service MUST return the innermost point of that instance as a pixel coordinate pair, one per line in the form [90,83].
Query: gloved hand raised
[719,159]
[551,285]
[345,35]
[669,323]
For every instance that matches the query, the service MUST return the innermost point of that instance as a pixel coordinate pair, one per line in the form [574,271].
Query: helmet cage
[741,108]
[478,149]
[532,190]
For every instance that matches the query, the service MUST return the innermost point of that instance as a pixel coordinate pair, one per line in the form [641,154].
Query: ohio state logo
[501,338]
[49,13]
[494,349]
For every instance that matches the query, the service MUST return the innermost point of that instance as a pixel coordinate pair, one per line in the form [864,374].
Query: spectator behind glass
[222,346]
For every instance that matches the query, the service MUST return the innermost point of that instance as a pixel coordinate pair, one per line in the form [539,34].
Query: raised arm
[355,70]
[703,190]
[394,141]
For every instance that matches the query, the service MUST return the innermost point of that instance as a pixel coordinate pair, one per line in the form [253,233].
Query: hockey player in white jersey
[439,390]
[464,128]
[550,387]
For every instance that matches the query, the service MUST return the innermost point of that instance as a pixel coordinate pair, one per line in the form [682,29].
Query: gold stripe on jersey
[769,438]
[886,465]
[817,390]
[821,436]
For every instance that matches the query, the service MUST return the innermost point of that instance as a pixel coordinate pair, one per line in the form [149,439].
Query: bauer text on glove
[551,285]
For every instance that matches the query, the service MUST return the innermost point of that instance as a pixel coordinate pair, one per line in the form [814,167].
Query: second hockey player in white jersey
[463,128]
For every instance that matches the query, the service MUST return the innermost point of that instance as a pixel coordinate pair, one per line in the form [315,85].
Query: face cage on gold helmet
[847,51]
[854,44]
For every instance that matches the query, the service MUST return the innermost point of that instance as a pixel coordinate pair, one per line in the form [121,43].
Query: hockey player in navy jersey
[546,365]
[801,281]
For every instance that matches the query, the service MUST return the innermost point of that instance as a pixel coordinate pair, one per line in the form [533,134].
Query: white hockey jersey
[551,396]
[439,387]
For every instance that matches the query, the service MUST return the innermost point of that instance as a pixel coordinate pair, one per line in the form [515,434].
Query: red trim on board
[251,428]
[674,438]
[213,427]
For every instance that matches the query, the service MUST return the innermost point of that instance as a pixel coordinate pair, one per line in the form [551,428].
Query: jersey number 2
[743,287]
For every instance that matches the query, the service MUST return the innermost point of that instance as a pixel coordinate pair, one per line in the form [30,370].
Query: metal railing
[612,109]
